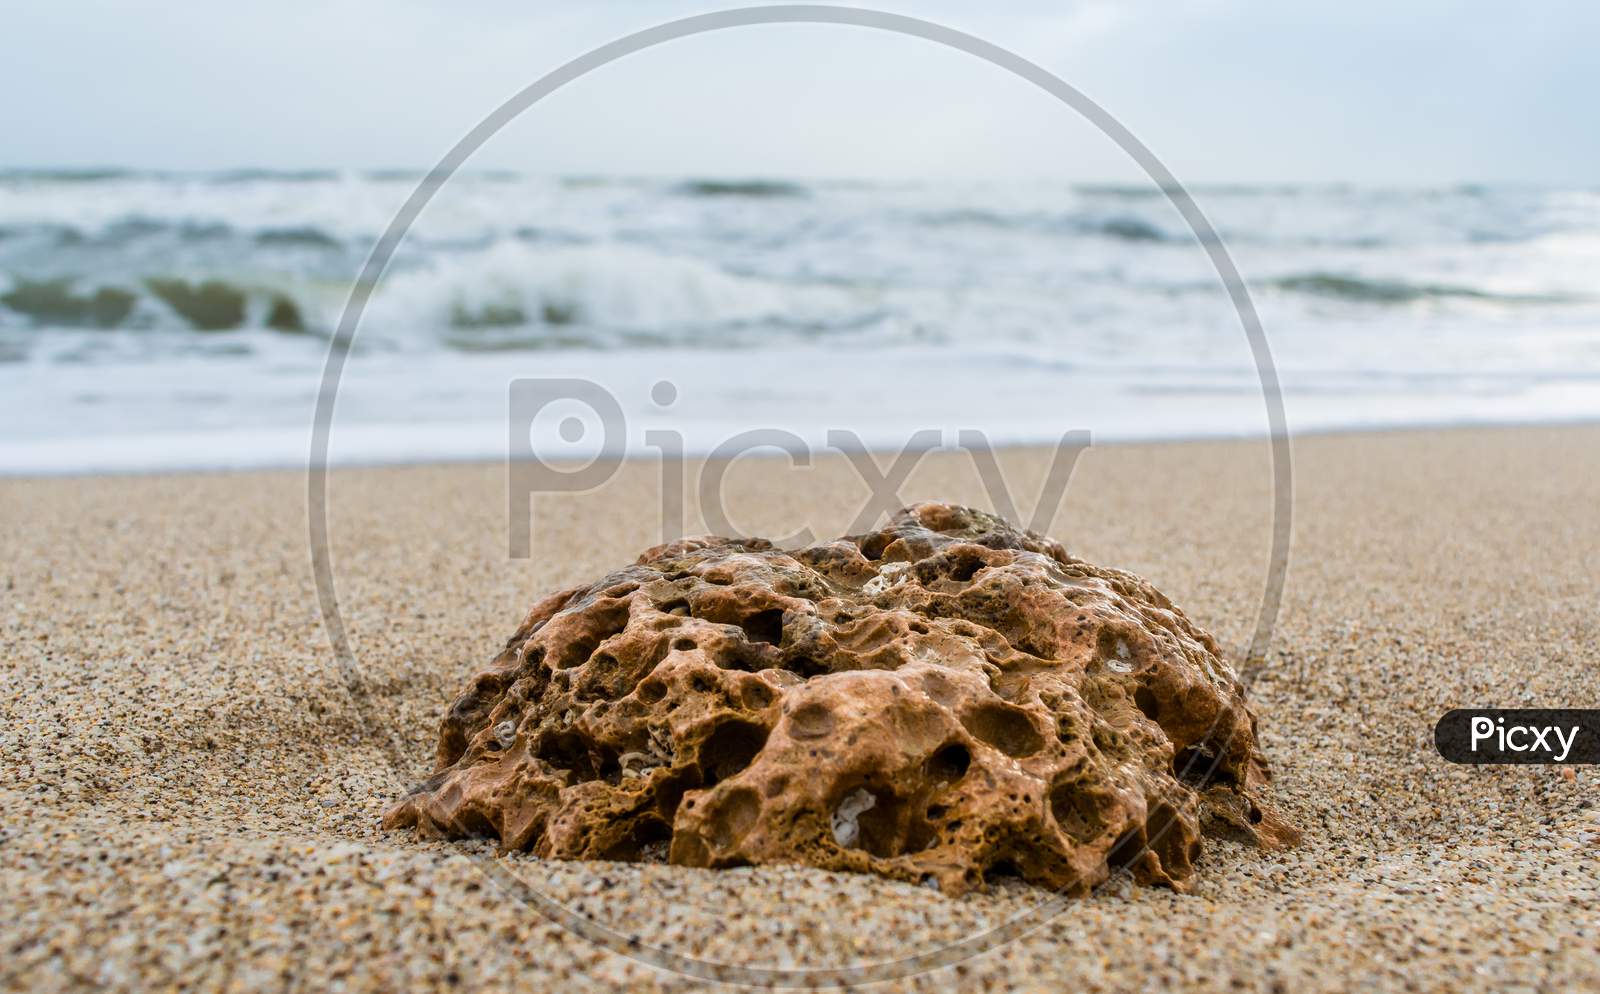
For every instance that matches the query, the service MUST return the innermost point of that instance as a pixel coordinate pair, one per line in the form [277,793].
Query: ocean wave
[510,292]
[68,175]
[1128,229]
[1150,191]
[125,230]
[304,236]
[765,188]
[598,262]
[137,226]
[50,234]
[57,302]
[967,217]
[116,174]
[1121,227]
[1370,290]
[231,176]
[598,294]
[151,303]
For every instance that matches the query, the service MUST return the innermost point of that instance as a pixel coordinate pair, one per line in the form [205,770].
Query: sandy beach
[190,792]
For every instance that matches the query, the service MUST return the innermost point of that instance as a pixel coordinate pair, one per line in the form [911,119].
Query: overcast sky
[1348,90]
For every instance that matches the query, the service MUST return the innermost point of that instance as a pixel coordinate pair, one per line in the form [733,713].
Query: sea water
[159,321]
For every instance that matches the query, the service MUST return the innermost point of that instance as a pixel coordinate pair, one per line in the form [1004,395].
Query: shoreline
[191,797]
[1294,435]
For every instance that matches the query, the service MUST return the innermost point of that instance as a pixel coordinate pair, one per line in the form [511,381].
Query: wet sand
[190,790]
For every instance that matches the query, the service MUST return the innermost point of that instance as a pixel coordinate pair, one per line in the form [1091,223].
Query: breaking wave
[515,295]
[157,319]
[512,295]
[154,302]
[504,261]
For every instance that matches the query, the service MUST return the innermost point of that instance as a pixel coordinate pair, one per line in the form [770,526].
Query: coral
[941,701]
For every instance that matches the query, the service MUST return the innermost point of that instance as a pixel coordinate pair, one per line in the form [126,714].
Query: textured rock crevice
[940,701]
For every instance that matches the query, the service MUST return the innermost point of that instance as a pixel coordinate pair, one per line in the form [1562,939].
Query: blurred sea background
[153,320]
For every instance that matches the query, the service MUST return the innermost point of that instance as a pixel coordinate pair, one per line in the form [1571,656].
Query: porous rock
[941,701]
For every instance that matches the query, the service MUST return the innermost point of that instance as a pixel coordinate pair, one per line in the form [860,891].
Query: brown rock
[941,700]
